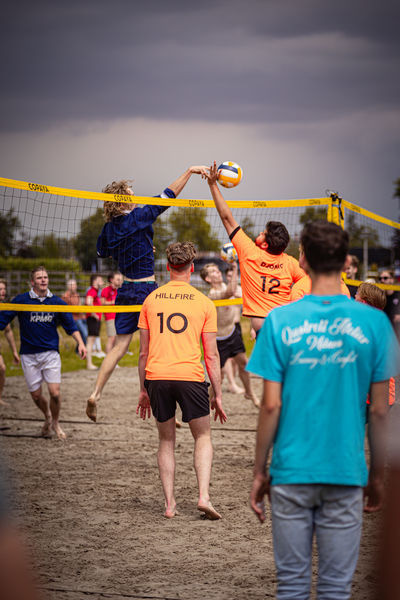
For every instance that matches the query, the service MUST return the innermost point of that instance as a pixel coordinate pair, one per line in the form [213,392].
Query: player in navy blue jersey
[40,357]
[127,237]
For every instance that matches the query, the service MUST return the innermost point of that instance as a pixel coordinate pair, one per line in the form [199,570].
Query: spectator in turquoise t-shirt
[319,357]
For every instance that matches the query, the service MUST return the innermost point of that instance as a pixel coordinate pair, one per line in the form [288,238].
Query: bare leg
[110,344]
[203,455]
[43,405]
[2,380]
[107,367]
[241,360]
[228,369]
[55,406]
[166,464]
[89,347]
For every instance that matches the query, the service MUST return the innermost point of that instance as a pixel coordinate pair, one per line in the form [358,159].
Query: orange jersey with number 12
[266,278]
[176,314]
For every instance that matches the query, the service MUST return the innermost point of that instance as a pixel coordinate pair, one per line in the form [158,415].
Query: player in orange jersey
[173,319]
[267,273]
[303,287]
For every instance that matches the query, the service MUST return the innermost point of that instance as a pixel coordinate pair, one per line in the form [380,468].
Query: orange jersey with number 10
[266,278]
[176,314]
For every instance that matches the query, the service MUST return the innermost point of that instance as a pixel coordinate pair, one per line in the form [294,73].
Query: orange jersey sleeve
[303,287]
[344,289]
[266,279]
[300,289]
[176,315]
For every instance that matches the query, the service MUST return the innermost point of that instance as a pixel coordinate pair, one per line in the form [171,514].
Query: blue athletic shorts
[129,294]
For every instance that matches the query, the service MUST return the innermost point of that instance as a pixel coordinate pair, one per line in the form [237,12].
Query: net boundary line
[86,195]
[70,193]
[92,309]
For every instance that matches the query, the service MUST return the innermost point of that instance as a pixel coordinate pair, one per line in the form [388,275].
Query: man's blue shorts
[129,294]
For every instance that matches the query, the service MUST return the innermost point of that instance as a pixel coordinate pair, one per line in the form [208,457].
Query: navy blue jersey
[38,330]
[128,239]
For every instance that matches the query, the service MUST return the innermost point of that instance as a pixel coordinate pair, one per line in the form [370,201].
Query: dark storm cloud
[246,61]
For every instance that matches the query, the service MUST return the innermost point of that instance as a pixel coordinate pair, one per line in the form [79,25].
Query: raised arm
[233,283]
[180,183]
[223,209]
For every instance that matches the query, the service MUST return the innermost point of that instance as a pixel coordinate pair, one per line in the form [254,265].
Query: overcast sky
[303,94]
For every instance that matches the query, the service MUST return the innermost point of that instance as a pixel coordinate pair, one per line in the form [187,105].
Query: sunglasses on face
[383,278]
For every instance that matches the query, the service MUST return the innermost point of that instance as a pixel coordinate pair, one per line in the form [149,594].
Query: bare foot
[58,431]
[254,399]
[178,424]
[235,389]
[92,368]
[170,513]
[4,403]
[47,426]
[91,409]
[209,511]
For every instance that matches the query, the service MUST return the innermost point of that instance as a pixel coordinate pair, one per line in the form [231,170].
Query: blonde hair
[113,209]
[205,269]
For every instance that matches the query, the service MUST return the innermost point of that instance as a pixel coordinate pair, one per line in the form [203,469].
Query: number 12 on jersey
[275,284]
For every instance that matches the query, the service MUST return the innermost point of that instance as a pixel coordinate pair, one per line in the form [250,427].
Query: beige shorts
[110,326]
[43,366]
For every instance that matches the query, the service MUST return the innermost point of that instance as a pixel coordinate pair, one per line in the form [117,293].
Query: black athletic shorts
[192,397]
[93,326]
[232,346]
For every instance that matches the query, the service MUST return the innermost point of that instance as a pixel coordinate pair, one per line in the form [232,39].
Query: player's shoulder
[239,236]
[55,300]
[23,298]
[289,260]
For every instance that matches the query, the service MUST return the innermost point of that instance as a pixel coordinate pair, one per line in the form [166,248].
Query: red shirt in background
[96,301]
[109,294]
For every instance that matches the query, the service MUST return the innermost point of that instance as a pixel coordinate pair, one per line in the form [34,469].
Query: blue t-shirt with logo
[326,351]
[38,330]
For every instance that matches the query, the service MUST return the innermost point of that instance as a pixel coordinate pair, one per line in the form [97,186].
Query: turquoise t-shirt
[326,351]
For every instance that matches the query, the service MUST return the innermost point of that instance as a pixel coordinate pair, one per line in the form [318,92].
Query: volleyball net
[57,228]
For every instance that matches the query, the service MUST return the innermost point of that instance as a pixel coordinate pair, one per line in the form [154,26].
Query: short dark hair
[180,255]
[277,237]
[354,260]
[36,270]
[93,277]
[325,245]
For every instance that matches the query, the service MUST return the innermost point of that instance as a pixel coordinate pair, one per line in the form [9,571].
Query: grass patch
[70,361]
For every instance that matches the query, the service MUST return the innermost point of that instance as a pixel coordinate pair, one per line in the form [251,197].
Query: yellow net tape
[90,309]
[67,193]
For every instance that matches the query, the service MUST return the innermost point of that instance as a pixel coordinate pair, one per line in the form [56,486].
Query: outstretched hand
[212,175]
[200,170]
[144,406]
[216,404]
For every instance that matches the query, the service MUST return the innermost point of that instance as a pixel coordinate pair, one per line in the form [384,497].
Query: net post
[335,210]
